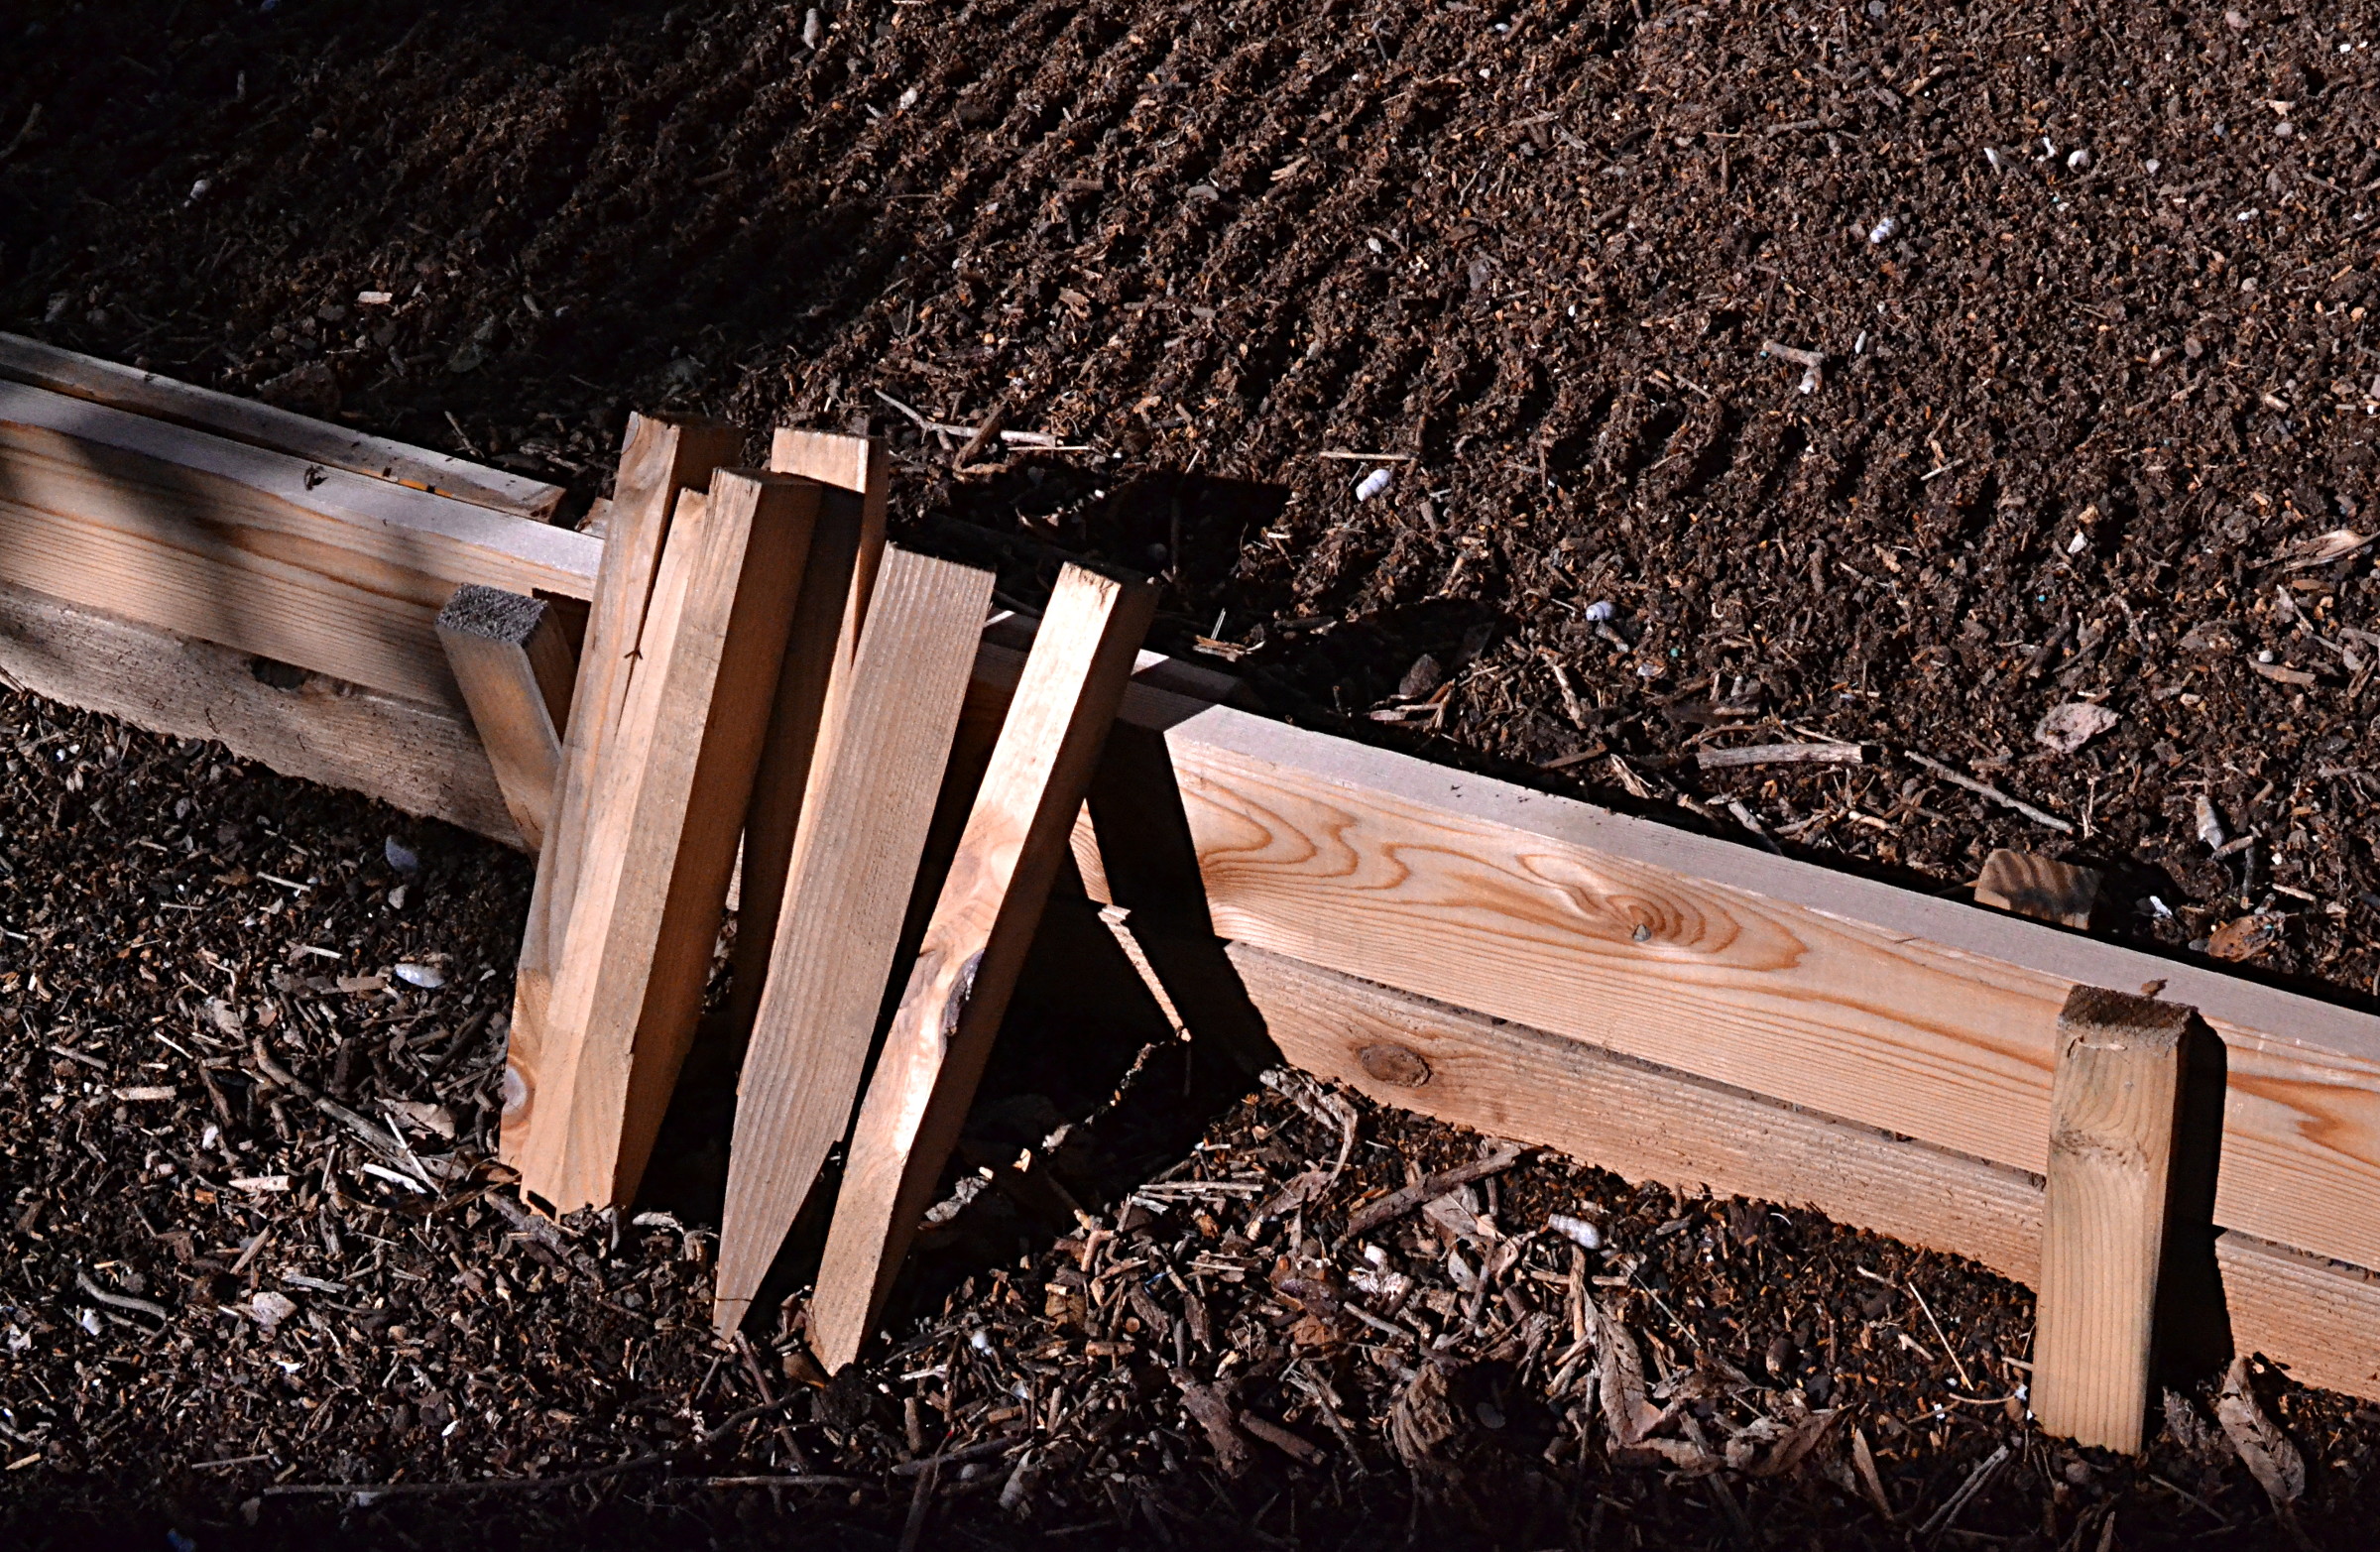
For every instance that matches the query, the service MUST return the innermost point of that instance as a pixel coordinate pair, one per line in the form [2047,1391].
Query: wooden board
[515,664]
[331,572]
[1924,1017]
[846,893]
[668,798]
[2116,1109]
[1651,1122]
[660,457]
[272,429]
[422,758]
[958,990]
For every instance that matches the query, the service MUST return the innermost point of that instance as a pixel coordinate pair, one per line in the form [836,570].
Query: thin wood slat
[958,991]
[666,810]
[207,538]
[660,458]
[2115,1144]
[419,758]
[2042,887]
[847,888]
[1919,1015]
[1647,1122]
[274,428]
[514,660]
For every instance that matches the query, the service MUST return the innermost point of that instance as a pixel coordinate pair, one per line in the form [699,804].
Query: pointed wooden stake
[847,889]
[1015,838]
[2120,1144]
[660,458]
[667,805]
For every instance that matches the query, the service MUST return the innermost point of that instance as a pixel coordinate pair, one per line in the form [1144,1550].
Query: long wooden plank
[975,944]
[422,759]
[511,656]
[331,572]
[854,860]
[2116,1104]
[669,801]
[1647,1122]
[1924,1017]
[272,429]
[660,457]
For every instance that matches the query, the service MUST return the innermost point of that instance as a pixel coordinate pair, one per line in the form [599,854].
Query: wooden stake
[847,888]
[516,665]
[845,552]
[958,990]
[660,458]
[666,808]
[2118,1113]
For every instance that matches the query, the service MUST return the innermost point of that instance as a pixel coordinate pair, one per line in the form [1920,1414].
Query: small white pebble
[401,857]
[90,1320]
[909,99]
[374,298]
[428,977]
[198,190]
[1810,380]
[2265,655]
[1993,157]
[2152,165]
[1884,231]
[813,29]
[1578,1230]
[1373,484]
[2074,547]
[1598,612]
[2079,159]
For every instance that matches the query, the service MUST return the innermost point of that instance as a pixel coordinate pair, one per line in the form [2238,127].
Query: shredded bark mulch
[265,1285]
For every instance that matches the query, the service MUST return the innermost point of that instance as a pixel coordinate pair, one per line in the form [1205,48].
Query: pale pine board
[669,796]
[329,570]
[1922,1016]
[975,944]
[1651,1122]
[854,865]
[515,667]
[422,758]
[272,429]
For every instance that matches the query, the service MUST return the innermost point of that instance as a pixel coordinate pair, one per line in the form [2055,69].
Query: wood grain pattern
[1919,1015]
[2320,1319]
[331,572]
[669,800]
[958,990]
[422,758]
[847,889]
[660,458]
[515,664]
[2116,1109]
[272,429]
[2042,887]
[860,465]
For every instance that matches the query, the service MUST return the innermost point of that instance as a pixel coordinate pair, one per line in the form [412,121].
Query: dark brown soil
[2090,285]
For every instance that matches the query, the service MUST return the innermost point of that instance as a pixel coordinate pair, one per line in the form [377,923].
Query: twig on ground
[1980,790]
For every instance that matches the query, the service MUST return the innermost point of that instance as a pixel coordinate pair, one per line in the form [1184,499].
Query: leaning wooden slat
[272,429]
[1651,1122]
[975,944]
[515,664]
[855,861]
[206,537]
[844,557]
[1921,1016]
[668,800]
[2113,1147]
[422,758]
[660,457]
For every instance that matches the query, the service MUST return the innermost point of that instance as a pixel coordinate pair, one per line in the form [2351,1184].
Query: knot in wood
[1395,1064]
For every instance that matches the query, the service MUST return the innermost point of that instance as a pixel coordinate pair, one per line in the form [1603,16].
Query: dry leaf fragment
[2245,938]
[2069,727]
[1213,1410]
[1626,1412]
[2264,1449]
